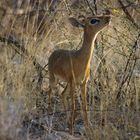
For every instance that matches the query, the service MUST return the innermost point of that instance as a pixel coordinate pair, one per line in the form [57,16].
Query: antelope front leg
[49,99]
[72,91]
[52,85]
[64,98]
[84,103]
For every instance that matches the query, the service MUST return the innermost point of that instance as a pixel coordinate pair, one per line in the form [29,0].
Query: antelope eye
[93,21]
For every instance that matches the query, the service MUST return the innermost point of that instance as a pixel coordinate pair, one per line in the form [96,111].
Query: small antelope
[73,66]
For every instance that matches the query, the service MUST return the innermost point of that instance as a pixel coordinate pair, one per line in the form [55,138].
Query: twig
[90,7]
[15,42]
[95,6]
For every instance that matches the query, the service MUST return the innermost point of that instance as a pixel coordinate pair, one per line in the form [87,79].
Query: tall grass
[23,103]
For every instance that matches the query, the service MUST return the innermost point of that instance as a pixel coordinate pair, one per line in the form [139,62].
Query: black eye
[93,21]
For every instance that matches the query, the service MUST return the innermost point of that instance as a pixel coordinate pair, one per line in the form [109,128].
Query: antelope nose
[107,19]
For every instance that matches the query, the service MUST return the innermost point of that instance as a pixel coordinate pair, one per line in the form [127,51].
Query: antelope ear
[76,23]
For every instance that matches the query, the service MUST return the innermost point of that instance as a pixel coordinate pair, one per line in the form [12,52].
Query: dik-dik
[73,66]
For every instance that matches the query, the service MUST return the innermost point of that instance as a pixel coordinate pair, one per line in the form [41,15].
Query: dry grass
[23,103]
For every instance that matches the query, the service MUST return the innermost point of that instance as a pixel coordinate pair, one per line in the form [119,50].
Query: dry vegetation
[30,31]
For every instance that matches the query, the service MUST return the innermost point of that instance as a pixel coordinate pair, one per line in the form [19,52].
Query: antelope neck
[87,48]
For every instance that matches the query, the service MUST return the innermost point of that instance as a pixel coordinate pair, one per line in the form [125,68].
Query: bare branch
[128,14]
[127,76]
